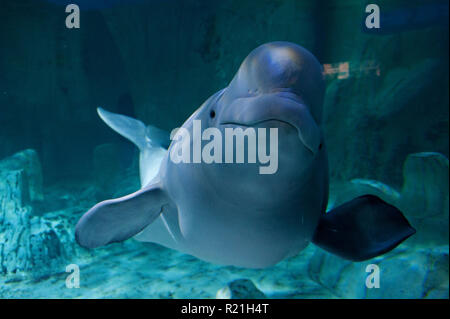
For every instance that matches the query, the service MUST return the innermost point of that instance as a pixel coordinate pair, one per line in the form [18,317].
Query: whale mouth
[283,107]
[253,124]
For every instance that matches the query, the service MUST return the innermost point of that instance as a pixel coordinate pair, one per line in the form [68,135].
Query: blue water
[385,124]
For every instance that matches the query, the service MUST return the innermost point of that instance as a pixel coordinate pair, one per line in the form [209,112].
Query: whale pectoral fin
[362,228]
[118,219]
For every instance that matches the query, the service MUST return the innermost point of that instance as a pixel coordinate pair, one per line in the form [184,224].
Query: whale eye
[320,146]
[212,114]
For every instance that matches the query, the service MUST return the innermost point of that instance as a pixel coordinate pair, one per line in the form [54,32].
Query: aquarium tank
[345,195]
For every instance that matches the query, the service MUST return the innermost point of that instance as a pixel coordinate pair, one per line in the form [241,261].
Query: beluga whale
[231,213]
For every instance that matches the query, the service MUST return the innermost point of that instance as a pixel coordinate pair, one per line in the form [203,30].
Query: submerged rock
[28,243]
[418,268]
[240,289]
[14,222]
[28,161]
[425,190]
[424,197]
[405,273]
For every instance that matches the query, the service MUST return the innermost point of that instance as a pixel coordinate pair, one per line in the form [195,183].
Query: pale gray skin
[230,213]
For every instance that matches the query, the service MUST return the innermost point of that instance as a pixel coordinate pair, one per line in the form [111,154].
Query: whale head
[278,86]
[280,68]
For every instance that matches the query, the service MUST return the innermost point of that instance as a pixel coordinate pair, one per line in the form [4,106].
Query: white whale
[229,213]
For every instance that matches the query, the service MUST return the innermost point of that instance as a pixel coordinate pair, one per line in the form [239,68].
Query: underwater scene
[224,149]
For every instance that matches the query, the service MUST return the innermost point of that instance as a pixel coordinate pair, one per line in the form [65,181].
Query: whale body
[230,213]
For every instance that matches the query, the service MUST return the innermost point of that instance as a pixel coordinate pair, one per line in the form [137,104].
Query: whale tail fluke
[134,130]
[151,141]
[362,228]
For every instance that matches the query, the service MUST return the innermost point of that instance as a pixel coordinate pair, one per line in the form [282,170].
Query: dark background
[159,60]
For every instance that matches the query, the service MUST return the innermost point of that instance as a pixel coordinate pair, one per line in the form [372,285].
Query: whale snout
[281,106]
[278,81]
[285,68]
